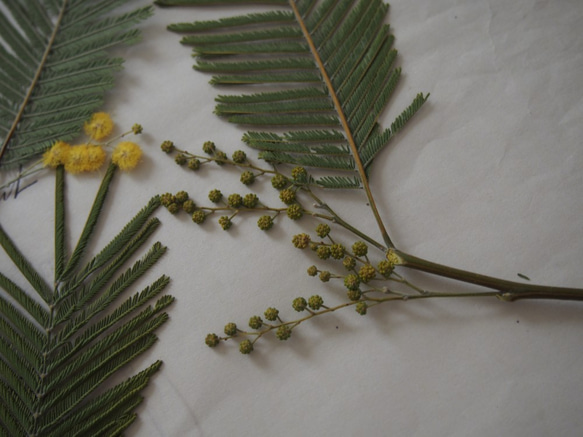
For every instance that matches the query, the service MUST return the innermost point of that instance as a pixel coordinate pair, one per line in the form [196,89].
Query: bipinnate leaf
[334,62]
[57,353]
[54,69]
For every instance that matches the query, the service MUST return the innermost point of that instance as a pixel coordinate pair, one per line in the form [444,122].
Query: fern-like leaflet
[54,69]
[57,354]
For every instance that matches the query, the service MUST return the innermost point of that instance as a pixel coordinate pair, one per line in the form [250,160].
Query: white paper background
[487,177]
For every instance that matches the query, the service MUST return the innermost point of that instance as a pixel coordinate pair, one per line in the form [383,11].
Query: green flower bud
[315,302]
[361,308]
[287,196]
[299,304]
[212,340]
[360,248]
[322,230]
[352,282]
[235,200]
[231,329]
[271,314]
[255,322]
[323,252]
[180,159]
[385,268]
[354,295]
[250,200]
[239,156]
[349,263]
[166,199]
[189,206]
[137,129]
[283,332]
[295,211]
[173,208]
[325,276]
[208,147]
[198,217]
[301,241]
[181,197]
[246,347]
[337,251]
[215,196]
[247,177]
[193,164]
[221,157]
[225,222]
[312,270]
[279,181]
[167,146]
[265,222]
[299,173]
[367,273]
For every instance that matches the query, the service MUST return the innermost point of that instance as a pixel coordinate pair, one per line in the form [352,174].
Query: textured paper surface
[487,177]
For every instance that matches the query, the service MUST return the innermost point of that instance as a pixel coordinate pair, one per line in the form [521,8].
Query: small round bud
[322,230]
[295,211]
[301,241]
[181,197]
[193,164]
[312,270]
[173,208]
[287,196]
[323,252]
[189,206]
[235,200]
[198,217]
[315,302]
[250,200]
[247,177]
[299,173]
[239,156]
[349,263]
[361,308]
[352,282]
[360,248]
[137,129]
[167,199]
[215,196]
[354,295]
[337,251]
[230,329]
[385,268]
[325,276]
[299,304]
[225,222]
[221,157]
[180,159]
[208,147]
[283,332]
[367,273]
[271,314]
[167,146]
[246,347]
[212,340]
[279,181]
[265,222]
[255,322]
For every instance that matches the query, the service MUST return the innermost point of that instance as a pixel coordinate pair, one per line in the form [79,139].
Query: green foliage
[334,62]
[54,69]
[58,352]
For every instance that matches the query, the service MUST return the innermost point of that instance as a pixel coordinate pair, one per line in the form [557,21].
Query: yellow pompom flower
[100,126]
[56,155]
[95,158]
[126,155]
[77,159]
